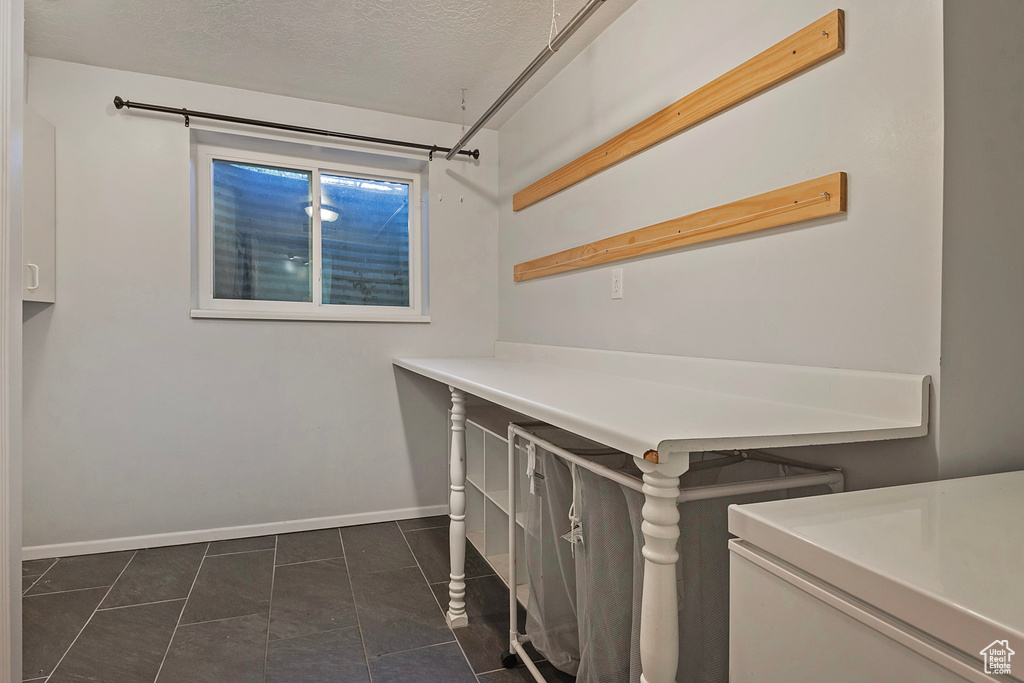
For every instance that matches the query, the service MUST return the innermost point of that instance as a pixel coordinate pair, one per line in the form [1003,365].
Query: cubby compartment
[496,524]
[475,517]
[497,547]
[496,457]
[475,464]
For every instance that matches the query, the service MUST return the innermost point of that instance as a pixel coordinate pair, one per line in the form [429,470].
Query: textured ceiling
[403,56]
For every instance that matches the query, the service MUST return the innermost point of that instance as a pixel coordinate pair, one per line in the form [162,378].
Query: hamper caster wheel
[509,660]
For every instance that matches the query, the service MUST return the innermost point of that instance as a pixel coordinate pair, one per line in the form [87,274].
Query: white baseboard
[39,552]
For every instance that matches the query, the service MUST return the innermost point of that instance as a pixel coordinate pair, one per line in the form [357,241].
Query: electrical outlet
[616,283]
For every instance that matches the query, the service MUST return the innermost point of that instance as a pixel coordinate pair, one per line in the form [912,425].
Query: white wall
[983,239]
[860,291]
[140,420]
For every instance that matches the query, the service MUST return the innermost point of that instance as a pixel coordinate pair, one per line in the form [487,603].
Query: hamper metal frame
[832,478]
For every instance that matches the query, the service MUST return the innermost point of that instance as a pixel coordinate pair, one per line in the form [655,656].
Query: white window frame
[209,307]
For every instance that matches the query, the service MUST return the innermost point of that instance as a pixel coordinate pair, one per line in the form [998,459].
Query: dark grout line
[538,662]
[181,613]
[213,621]
[413,531]
[32,585]
[389,569]
[137,604]
[206,554]
[355,607]
[270,611]
[414,649]
[71,590]
[319,559]
[89,620]
[54,564]
[421,528]
[240,552]
[469,578]
[444,612]
[245,552]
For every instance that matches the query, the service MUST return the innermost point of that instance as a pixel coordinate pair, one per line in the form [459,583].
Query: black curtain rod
[188,113]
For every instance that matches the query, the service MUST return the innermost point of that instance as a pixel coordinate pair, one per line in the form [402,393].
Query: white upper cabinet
[40,241]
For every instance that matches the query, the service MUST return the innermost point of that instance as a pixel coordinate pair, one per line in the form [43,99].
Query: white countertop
[946,557]
[637,402]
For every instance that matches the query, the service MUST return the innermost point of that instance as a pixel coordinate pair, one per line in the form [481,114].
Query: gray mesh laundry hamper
[551,613]
[609,570]
[552,620]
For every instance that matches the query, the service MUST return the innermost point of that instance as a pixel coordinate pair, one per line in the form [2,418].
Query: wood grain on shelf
[798,52]
[823,196]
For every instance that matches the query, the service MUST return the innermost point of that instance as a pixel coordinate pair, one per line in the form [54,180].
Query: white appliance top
[637,402]
[946,557]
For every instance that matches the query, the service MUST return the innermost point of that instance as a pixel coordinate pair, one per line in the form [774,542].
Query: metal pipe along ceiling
[535,65]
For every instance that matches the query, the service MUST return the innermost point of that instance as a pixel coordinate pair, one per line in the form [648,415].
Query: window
[286,238]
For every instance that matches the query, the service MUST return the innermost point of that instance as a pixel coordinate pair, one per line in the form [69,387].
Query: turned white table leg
[457,536]
[659,611]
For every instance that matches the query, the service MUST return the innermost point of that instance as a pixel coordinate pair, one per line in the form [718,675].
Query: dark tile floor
[329,606]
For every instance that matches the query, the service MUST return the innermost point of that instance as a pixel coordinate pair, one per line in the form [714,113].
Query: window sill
[269,315]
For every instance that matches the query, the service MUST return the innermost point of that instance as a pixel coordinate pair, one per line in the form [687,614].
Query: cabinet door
[779,631]
[39,275]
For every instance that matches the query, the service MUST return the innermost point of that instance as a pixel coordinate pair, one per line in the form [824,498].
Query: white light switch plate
[616,283]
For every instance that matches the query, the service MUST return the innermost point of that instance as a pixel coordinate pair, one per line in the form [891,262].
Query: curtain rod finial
[118,102]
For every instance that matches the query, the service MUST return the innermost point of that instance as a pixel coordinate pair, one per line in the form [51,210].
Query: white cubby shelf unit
[487,491]
[487,484]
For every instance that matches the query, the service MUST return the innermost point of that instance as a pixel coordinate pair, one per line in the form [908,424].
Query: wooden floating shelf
[799,52]
[825,196]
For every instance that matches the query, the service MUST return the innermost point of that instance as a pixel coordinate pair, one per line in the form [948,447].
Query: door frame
[12,87]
